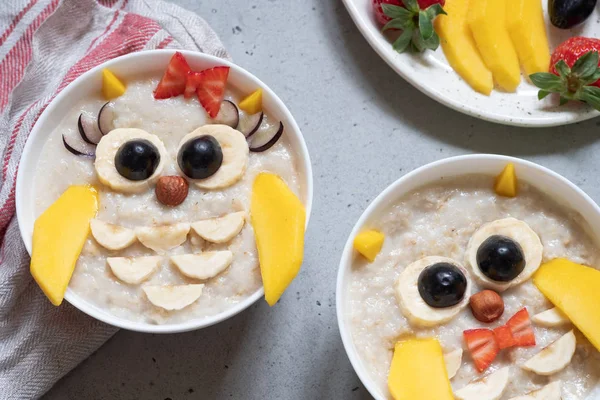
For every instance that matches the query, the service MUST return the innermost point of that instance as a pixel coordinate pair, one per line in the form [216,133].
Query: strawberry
[383,19]
[209,86]
[173,81]
[504,337]
[574,72]
[521,329]
[483,347]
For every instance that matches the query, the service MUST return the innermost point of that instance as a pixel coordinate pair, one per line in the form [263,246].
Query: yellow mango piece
[252,103]
[368,243]
[506,183]
[278,218]
[525,22]
[418,371]
[112,87]
[459,46]
[487,21]
[573,288]
[58,237]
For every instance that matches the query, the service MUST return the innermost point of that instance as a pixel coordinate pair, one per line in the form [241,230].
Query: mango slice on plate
[506,183]
[278,218]
[252,103]
[368,243]
[112,87]
[525,22]
[58,237]
[418,371]
[487,21]
[460,48]
[573,288]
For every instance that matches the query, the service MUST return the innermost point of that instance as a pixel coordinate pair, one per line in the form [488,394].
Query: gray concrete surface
[365,127]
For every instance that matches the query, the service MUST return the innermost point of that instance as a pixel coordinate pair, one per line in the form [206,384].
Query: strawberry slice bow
[485,344]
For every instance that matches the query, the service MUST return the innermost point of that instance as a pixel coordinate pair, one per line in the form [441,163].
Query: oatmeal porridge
[149,236]
[449,226]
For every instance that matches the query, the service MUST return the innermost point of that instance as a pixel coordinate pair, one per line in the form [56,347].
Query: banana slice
[551,318]
[163,238]
[453,361]
[516,230]
[204,265]
[133,270]
[551,391]
[553,358]
[490,387]
[105,160]
[411,303]
[221,229]
[110,236]
[235,155]
[174,297]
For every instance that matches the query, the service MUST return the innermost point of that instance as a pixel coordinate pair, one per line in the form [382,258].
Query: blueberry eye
[500,258]
[442,285]
[201,157]
[137,160]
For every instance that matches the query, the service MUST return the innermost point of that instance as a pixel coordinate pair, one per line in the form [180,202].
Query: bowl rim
[101,314]
[391,193]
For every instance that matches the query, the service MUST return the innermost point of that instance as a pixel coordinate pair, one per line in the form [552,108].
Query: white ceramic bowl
[432,75]
[129,67]
[557,187]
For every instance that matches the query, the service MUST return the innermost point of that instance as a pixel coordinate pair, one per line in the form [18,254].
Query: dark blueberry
[200,157]
[500,258]
[137,160]
[442,285]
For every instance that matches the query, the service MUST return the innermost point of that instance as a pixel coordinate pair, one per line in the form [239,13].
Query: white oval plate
[431,74]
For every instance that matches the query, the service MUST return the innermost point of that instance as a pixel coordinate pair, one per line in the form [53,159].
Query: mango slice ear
[58,238]
[112,87]
[506,183]
[278,218]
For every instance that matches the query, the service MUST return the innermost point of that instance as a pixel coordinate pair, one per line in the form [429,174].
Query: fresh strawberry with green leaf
[174,79]
[415,23]
[383,19]
[209,86]
[574,72]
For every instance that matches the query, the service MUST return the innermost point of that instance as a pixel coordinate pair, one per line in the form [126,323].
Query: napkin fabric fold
[44,46]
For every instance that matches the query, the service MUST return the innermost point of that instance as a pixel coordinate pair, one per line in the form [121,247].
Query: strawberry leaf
[399,23]
[542,94]
[435,10]
[586,65]
[591,95]
[562,68]
[401,44]
[547,81]
[425,25]
[411,5]
[563,101]
[393,11]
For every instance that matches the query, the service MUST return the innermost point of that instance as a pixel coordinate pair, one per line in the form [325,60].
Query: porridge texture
[170,120]
[439,220]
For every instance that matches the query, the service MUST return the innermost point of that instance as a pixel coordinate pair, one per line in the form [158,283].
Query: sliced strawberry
[483,347]
[521,329]
[211,88]
[173,81]
[191,84]
[504,337]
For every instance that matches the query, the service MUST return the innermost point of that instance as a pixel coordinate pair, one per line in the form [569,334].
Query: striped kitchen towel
[45,45]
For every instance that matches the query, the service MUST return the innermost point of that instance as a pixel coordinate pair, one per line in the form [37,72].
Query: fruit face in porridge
[162,205]
[471,290]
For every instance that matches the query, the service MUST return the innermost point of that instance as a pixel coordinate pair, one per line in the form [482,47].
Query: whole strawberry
[383,19]
[414,18]
[571,50]
[574,72]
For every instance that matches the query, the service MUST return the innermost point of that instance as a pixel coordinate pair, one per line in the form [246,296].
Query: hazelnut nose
[171,190]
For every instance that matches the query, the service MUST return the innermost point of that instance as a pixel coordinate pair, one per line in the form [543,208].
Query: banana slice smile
[221,229]
[204,265]
[163,238]
[174,297]
[110,236]
[133,270]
